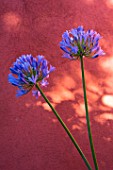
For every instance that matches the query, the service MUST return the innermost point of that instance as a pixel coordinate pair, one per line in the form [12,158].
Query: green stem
[87,115]
[65,127]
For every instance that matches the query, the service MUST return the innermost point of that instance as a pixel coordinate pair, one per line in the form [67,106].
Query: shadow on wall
[66,96]
[12,22]
[66,93]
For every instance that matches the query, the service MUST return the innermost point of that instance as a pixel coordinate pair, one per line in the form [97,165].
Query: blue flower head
[77,42]
[27,71]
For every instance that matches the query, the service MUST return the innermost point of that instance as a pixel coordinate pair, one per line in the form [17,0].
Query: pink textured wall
[30,136]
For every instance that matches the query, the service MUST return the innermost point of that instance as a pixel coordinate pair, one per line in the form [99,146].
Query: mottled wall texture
[31,138]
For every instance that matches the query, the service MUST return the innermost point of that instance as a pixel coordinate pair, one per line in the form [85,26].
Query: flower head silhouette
[77,42]
[28,71]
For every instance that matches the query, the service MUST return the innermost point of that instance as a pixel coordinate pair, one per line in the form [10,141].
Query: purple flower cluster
[77,42]
[28,71]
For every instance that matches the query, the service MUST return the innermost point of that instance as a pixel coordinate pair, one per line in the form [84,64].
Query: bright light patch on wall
[107,64]
[109,3]
[108,100]
[103,118]
[11,21]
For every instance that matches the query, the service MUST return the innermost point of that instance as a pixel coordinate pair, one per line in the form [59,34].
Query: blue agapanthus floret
[77,42]
[27,71]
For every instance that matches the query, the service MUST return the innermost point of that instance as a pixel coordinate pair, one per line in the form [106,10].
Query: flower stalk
[87,115]
[65,127]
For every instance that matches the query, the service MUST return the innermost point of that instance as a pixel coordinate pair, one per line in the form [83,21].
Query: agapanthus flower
[77,42]
[27,71]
